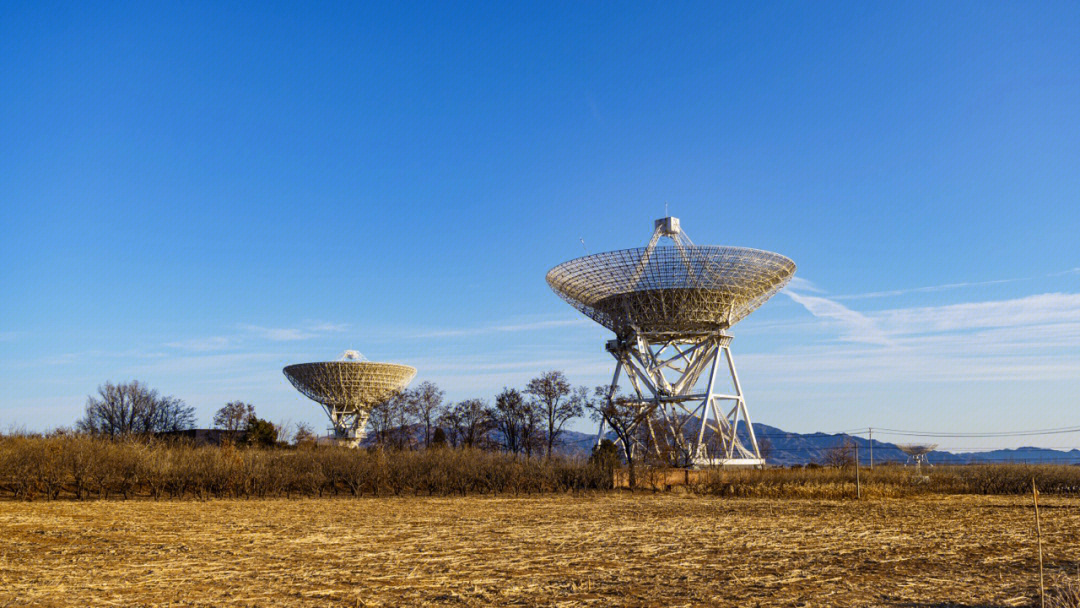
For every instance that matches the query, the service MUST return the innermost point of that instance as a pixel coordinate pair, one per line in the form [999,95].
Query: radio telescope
[669,308]
[917,452]
[348,388]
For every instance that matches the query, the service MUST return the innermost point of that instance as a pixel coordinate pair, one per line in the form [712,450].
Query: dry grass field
[602,550]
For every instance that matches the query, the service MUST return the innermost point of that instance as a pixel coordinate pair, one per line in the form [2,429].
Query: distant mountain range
[787,449]
[780,447]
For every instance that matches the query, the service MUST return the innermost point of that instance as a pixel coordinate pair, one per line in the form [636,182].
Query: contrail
[900,292]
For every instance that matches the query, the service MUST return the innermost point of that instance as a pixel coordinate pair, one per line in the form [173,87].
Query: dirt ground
[601,550]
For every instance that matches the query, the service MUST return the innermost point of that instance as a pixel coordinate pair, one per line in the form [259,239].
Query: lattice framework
[676,386]
[683,288]
[669,307]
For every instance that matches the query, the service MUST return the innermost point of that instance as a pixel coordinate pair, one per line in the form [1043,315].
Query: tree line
[126,445]
[81,466]
[526,422]
[67,465]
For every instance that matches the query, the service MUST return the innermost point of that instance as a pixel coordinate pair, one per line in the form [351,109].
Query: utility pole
[1038,531]
[858,484]
[870,431]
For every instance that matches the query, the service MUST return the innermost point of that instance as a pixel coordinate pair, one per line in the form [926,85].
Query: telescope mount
[669,308]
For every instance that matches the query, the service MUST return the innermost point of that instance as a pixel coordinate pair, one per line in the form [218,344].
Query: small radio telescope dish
[917,452]
[669,307]
[348,388]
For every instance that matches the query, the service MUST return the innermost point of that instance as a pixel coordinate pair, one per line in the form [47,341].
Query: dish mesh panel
[671,289]
[349,384]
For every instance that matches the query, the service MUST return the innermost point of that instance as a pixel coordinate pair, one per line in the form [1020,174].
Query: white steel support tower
[347,424]
[675,383]
[670,308]
[347,421]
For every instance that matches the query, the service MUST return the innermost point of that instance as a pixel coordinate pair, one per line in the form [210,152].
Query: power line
[1053,431]
[955,450]
[907,433]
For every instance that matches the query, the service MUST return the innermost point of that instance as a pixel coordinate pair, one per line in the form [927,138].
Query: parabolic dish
[671,289]
[349,384]
[916,449]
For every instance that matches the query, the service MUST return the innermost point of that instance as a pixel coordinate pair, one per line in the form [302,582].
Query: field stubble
[606,549]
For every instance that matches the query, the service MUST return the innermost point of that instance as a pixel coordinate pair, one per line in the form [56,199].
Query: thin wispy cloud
[946,286]
[277,334]
[201,344]
[801,284]
[927,289]
[531,365]
[292,334]
[504,328]
[1033,338]
[1027,337]
[1047,338]
[1037,309]
[854,326]
[881,327]
[95,355]
[307,331]
[918,362]
[323,327]
[206,365]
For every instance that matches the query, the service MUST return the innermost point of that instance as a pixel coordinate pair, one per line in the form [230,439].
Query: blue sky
[195,195]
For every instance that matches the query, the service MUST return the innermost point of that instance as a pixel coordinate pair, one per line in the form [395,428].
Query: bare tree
[840,456]
[170,415]
[665,445]
[532,429]
[467,423]
[233,417]
[425,401]
[380,418]
[304,435]
[510,417]
[556,403]
[765,448]
[624,416]
[286,431]
[133,409]
[390,420]
[450,421]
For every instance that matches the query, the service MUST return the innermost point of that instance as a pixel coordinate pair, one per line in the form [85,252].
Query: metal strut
[694,430]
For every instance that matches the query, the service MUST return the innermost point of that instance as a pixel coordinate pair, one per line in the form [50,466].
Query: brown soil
[602,550]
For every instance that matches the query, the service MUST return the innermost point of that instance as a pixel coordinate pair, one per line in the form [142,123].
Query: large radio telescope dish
[669,308]
[677,289]
[348,388]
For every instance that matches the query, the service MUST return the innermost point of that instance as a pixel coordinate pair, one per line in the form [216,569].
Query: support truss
[349,425]
[675,382]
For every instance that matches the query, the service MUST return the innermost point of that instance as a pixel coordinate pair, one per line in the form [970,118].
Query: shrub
[81,466]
